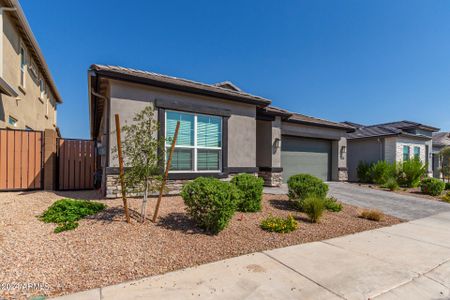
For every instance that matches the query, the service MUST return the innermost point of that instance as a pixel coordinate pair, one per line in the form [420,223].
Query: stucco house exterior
[223,131]
[28,94]
[441,140]
[393,142]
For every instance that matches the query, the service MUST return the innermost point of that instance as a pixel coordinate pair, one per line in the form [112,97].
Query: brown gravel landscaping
[105,250]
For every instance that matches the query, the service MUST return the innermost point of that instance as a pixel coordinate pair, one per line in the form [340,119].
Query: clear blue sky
[364,61]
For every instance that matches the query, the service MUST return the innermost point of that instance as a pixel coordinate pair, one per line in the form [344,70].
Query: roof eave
[347,129]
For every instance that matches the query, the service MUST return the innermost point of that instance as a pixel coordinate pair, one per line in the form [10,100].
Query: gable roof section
[175,83]
[228,85]
[408,125]
[441,139]
[389,129]
[24,28]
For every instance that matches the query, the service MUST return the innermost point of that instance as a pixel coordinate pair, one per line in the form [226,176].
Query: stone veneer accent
[342,174]
[272,179]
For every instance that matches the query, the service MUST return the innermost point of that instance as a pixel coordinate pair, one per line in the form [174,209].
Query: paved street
[405,261]
[398,205]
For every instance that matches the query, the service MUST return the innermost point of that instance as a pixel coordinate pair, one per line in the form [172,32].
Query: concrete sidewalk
[405,261]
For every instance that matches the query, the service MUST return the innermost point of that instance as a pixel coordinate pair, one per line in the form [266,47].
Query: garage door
[305,155]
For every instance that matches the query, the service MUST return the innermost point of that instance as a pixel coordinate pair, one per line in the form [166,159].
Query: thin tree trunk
[144,203]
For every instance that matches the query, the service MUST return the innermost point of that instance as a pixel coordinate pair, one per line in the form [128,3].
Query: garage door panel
[303,155]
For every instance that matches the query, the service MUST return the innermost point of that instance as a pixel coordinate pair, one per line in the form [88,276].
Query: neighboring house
[28,95]
[393,142]
[223,131]
[440,141]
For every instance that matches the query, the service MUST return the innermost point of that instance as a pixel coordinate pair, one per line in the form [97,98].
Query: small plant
[410,172]
[302,186]
[313,206]
[210,202]
[381,171]
[372,215]
[277,224]
[446,197]
[432,186]
[363,171]
[391,184]
[66,213]
[251,190]
[447,186]
[331,204]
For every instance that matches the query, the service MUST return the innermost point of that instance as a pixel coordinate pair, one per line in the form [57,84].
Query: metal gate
[76,164]
[21,163]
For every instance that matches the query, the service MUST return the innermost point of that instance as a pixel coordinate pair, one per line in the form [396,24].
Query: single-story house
[223,130]
[393,142]
[441,140]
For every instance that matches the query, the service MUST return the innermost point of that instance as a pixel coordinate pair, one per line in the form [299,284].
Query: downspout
[3,9]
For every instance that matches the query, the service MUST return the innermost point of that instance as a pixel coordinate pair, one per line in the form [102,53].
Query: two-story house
[28,94]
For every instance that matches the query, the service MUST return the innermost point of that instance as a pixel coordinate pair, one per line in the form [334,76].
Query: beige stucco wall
[28,108]
[129,98]
[267,155]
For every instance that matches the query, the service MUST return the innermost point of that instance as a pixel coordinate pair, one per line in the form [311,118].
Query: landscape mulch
[105,250]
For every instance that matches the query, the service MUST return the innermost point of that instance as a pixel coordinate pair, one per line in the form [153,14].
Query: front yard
[105,250]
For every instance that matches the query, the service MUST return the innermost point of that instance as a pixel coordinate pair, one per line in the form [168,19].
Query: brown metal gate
[76,164]
[21,163]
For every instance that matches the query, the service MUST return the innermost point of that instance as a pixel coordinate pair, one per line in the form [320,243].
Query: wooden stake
[122,181]
[166,174]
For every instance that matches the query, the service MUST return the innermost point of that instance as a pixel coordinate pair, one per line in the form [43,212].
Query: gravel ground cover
[105,250]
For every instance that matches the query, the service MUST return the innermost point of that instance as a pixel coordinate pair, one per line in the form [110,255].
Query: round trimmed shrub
[251,191]
[432,186]
[302,186]
[210,202]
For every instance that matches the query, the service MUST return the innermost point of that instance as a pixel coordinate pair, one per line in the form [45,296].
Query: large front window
[199,142]
[417,152]
[406,151]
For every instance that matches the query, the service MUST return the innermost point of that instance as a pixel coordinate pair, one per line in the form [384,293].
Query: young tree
[143,152]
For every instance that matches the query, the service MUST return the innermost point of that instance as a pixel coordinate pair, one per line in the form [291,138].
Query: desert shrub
[210,202]
[331,204]
[446,197]
[302,186]
[432,186]
[251,191]
[381,171]
[277,224]
[66,213]
[363,171]
[391,183]
[447,185]
[371,214]
[410,172]
[313,207]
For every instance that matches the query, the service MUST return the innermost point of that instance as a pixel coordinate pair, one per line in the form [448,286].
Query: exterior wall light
[343,151]
[277,143]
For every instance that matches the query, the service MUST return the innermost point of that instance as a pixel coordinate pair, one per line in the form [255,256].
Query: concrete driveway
[398,205]
[405,261]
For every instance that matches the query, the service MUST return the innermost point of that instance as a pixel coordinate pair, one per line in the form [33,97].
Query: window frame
[15,121]
[195,147]
[22,67]
[409,153]
[416,156]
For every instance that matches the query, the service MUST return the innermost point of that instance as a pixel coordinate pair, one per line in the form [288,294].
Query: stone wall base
[272,179]
[343,174]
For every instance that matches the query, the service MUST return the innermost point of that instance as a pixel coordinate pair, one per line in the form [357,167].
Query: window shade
[208,159]
[186,131]
[181,159]
[209,131]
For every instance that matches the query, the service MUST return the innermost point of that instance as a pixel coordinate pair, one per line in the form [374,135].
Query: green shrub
[251,191]
[331,204]
[277,224]
[381,171]
[363,171]
[391,184]
[410,172]
[432,186]
[302,186]
[447,185]
[372,215]
[313,206]
[66,213]
[446,197]
[210,202]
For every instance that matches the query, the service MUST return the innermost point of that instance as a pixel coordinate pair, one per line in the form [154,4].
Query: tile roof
[175,82]
[407,124]
[317,121]
[373,131]
[441,139]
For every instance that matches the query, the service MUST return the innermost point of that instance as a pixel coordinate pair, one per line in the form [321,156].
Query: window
[199,142]
[406,153]
[417,152]
[28,128]
[41,88]
[12,121]
[22,67]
